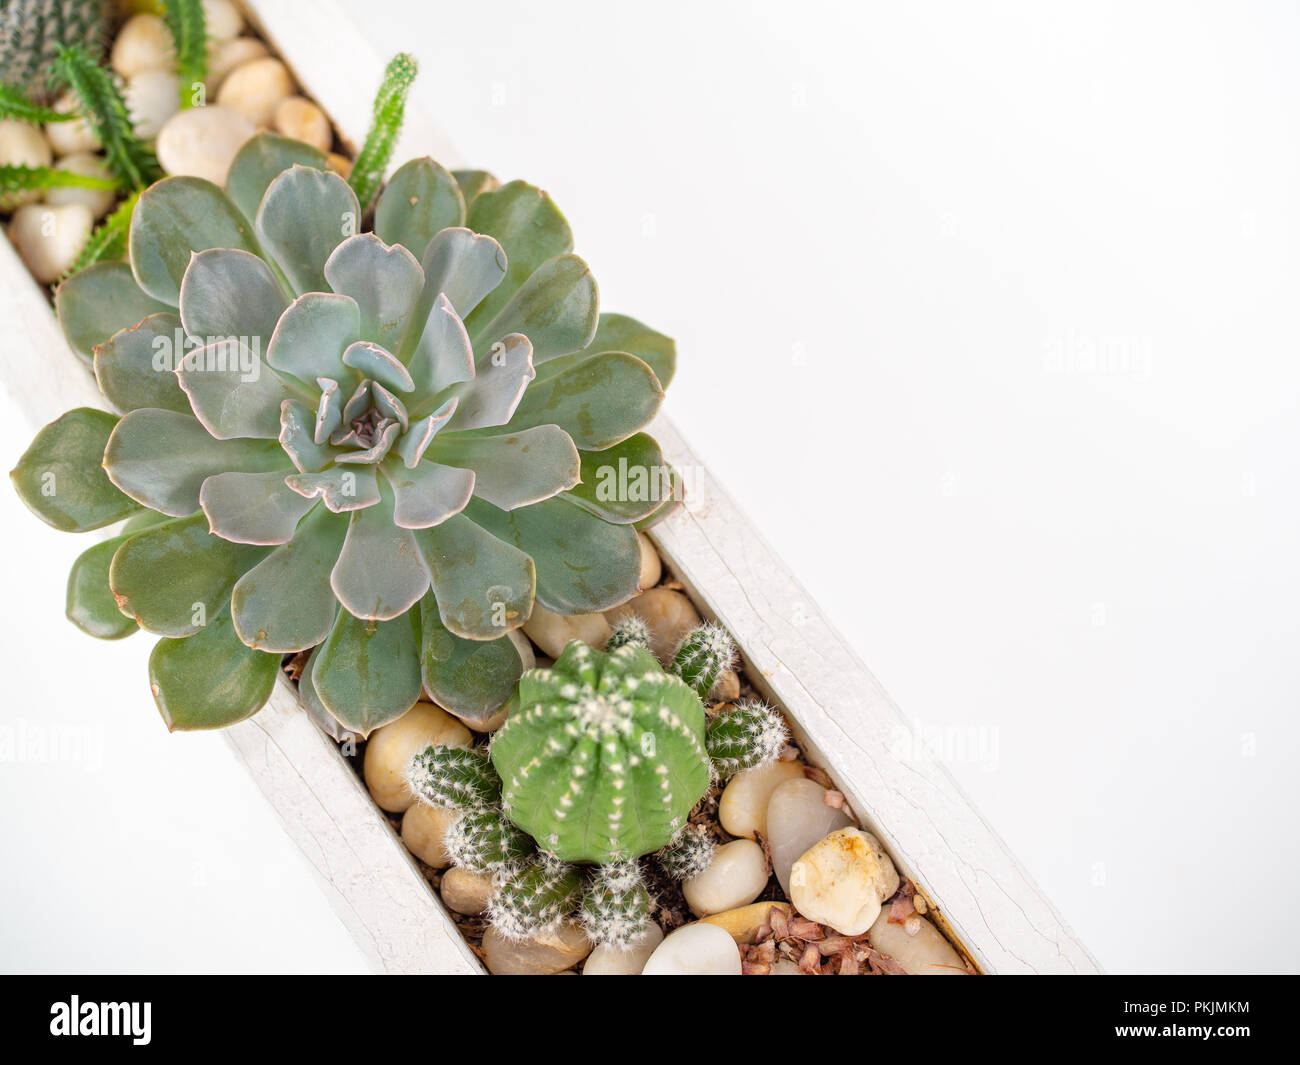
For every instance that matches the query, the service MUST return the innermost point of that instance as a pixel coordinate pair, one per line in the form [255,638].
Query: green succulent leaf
[367,673]
[172,579]
[312,335]
[109,240]
[227,293]
[61,477]
[474,182]
[625,483]
[584,565]
[14,104]
[260,161]
[384,280]
[514,469]
[618,332]
[126,370]
[556,308]
[462,266]
[379,573]
[472,678]
[100,301]
[210,680]
[175,218]
[420,199]
[304,216]
[16,177]
[232,392]
[252,508]
[90,602]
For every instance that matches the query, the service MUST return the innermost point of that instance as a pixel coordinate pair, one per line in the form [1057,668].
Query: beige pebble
[842,880]
[340,164]
[652,567]
[608,960]
[697,949]
[466,892]
[544,954]
[391,748]
[152,97]
[742,809]
[89,165]
[22,144]
[49,238]
[736,876]
[203,142]
[68,138]
[143,43]
[424,828]
[552,632]
[726,689]
[744,922]
[255,89]
[299,118]
[222,19]
[926,953]
[225,56]
[668,613]
[797,817]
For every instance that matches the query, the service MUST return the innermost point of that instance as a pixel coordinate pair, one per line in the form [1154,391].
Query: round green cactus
[689,854]
[615,910]
[483,841]
[603,757]
[747,736]
[535,897]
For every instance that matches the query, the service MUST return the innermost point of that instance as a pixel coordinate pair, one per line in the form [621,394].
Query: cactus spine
[689,854]
[32,31]
[483,841]
[616,907]
[454,778]
[630,631]
[748,735]
[703,655]
[535,898]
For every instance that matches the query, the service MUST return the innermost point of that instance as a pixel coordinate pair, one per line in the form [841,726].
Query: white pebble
[302,120]
[225,56]
[69,137]
[152,97]
[743,806]
[695,950]
[796,819]
[255,88]
[551,632]
[736,876]
[222,19]
[143,43]
[926,953]
[49,238]
[610,961]
[202,142]
[89,165]
[21,144]
[841,881]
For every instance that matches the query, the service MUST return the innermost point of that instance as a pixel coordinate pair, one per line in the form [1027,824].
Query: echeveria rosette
[379,445]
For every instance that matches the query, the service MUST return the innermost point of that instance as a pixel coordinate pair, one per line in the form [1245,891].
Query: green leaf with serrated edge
[175,218]
[260,161]
[130,372]
[474,182]
[90,603]
[618,332]
[100,301]
[556,308]
[285,602]
[176,576]
[471,678]
[527,224]
[367,673]
[483,585]
[210,680]
[625,483]
[584,564]
[599,403]
[61,477]
[419,199]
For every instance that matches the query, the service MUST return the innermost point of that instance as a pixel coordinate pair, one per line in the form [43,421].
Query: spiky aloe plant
[366,444]
[32,31]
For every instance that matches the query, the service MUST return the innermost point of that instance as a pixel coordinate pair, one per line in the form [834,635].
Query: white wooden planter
[842,717]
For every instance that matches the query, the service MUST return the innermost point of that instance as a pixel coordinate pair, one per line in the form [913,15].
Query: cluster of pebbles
[796,887]
[247,90]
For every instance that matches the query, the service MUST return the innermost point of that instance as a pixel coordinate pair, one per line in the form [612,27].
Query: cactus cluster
[599,763]
[33,31]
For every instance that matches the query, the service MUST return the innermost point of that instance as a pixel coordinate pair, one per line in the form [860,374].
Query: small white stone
[796,819]
[551,632]
[152,97]
[21,144]
[390,749]
[668,613]
[610,961]
[143,43]
[841,881]
[222,19]
[652,567]
[225,56]
[88,165]
[742,809]
[424,830]
[255,88]
[695,950]
[203,141]
[67,138]
[926,953]
[736,876]
[49,238]
[299,118]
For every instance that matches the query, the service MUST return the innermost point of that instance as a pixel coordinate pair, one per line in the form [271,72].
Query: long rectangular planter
[841,716]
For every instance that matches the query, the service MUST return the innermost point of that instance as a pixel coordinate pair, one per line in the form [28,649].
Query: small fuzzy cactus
[32,31]
[455,778]
[603,758]
[615,910]
[630,631]
[689,854]
[535,898]
[748,735]
[702,656]
[483,841]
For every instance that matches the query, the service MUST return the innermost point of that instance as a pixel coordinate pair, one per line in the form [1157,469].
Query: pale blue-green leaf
[416,440]
[312,335]
[252,508]
[471,678]
[379,574]
[136,368]
[420,199]
[557,308]
[231,294]
[100,301]
[384,280]
[304,216]
[444,356]
[260,161]
[297,422]
[514,469]
[343,489]
[372,361]
[625,483]
[232,391]
[367,674]
[428,494]
[501,376]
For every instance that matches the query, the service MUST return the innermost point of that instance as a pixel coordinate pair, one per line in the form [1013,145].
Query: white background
[986,315]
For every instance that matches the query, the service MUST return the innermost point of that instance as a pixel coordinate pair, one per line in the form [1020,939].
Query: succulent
[615,910]
[746,736]
[535,898]
[628,630]
[483,841]
[704,653]
[689,854]
[31,32]
[454,778]
[370,444]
